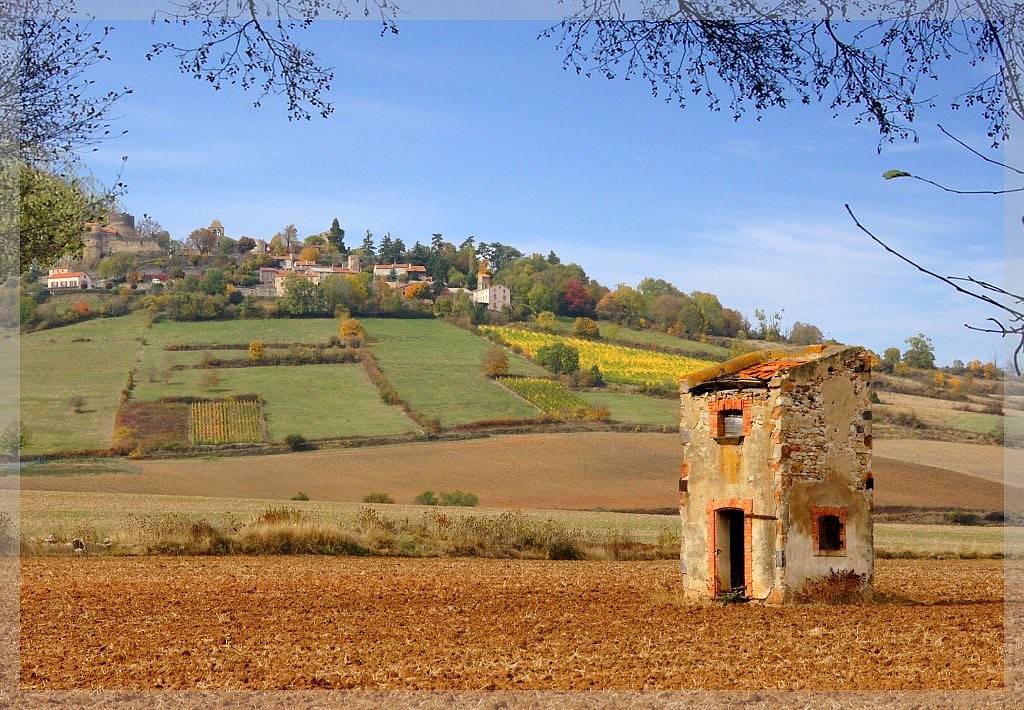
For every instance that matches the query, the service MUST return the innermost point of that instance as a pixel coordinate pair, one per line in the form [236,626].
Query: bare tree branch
[764,54]
[252,43]
[1015,328]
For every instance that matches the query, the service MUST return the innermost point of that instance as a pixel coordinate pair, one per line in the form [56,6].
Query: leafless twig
[1014,326]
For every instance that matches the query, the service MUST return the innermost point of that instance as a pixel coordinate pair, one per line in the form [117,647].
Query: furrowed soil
[310,622]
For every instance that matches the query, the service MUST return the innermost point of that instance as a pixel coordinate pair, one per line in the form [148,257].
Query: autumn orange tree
[350,328]
[495,362]
[418,290]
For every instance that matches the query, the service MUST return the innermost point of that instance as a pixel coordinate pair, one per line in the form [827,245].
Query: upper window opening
[732,423]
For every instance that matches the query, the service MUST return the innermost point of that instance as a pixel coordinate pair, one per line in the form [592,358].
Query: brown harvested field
[978,460]
[613,471]
[310,622]
[948,474]
[569,471]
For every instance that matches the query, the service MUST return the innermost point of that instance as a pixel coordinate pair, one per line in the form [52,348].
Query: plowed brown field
[309,622]
[592,470]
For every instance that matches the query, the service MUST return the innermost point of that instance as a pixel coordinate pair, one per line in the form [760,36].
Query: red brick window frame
[828,530]
[722,408]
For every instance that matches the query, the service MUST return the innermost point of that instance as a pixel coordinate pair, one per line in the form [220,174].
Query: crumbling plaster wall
[825,461]
[807,447]
[718,473]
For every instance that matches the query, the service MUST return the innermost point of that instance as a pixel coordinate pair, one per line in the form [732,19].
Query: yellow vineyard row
[227,422]
[617,363]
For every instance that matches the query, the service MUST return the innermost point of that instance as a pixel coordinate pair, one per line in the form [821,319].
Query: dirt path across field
[311,622]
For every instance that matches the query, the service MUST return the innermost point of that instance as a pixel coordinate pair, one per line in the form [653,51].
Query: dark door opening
[730,551]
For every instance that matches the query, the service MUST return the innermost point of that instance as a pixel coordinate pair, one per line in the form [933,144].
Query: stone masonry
[776,484]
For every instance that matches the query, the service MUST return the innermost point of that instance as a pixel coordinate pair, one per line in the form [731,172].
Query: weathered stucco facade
[776,484]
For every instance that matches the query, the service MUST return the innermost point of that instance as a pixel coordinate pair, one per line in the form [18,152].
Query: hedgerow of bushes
[279,531]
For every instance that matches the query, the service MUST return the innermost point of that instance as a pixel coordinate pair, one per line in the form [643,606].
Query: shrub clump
[495,363]
[586,328]
[558,358]
[295,442]
[460,498]
[844,587]
[426,498]
[378,498]
[957,517]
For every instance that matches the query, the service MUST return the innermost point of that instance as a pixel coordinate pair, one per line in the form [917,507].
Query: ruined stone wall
[99,243]
[823,456]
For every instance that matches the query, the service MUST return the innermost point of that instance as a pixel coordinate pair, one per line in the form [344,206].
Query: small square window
[828,530]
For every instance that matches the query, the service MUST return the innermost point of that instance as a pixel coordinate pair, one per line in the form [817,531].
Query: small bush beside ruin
[843,587]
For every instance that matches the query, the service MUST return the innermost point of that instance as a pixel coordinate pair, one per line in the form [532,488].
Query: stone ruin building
[776,484]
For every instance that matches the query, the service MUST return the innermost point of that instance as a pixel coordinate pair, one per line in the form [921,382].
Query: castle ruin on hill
[117,234]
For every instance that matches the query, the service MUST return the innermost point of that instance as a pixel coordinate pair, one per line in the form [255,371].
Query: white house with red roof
[495,296]
[63,277]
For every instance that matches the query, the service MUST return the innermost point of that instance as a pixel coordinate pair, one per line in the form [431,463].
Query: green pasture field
[276,330]
[155,358]
[988,423]
[9,376]
[636,408]
[912,540]
[435,367]
[615,333]
[54,368]
[316,401]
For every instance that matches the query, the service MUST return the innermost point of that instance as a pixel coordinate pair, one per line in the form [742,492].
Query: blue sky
[473,128]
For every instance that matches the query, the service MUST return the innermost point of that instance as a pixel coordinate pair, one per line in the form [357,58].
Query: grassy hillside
[316,401]
[435,367]
[642,338]
[168,333]
[91,360]
[9,377]
[636,408]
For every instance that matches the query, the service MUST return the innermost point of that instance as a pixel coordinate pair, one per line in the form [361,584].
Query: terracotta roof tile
[767,370]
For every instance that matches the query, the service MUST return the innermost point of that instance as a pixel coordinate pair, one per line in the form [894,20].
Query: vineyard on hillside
[227,421]
[553,398]
[617,363]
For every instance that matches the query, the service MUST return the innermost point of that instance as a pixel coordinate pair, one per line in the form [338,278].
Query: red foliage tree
[577,300]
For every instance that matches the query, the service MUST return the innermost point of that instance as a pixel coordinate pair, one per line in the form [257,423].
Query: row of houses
[273,278]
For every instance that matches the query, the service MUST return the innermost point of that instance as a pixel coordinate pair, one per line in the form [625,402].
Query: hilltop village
[211,275]
[126,264]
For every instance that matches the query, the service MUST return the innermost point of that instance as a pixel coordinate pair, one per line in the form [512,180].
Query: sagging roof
[754,369]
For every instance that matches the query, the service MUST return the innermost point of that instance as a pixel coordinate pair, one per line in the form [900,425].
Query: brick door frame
[713,507]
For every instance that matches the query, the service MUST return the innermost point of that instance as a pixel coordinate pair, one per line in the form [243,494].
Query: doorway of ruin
[730,549]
